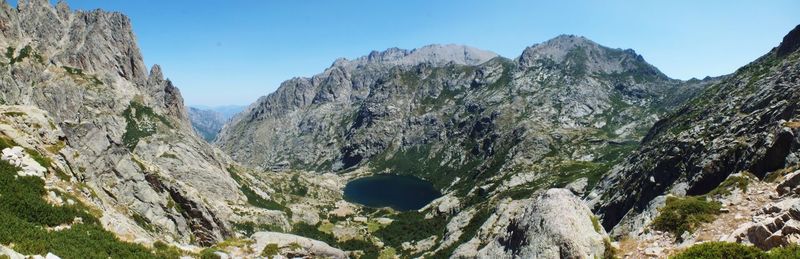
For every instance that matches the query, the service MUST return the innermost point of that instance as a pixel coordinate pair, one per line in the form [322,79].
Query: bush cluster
[24,216]
[685,214]
[736,251]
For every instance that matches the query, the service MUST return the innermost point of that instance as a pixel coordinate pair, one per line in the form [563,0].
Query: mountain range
[570,150]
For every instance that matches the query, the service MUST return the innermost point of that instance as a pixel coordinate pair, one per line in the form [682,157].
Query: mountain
[571,150]
[568,97]
[207,123]
[103,145]
[745,124]
[493,134]
[227,111]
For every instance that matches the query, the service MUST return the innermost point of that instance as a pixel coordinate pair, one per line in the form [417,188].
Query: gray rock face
[436,55]
[748,121]
[456,113]
[132,138]
[554,224]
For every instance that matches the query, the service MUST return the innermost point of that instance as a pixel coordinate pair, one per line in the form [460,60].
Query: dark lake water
[396,191]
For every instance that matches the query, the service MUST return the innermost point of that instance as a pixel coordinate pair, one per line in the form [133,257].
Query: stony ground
[739,209]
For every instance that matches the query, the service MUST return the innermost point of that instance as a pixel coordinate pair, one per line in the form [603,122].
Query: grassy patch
[5,142]
[685,214]
[388,253]
[142,222]
[234,174]
[57,147]
[733,182]
[39,158]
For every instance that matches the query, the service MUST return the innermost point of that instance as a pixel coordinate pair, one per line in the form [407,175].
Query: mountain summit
[435,54]
[585,56]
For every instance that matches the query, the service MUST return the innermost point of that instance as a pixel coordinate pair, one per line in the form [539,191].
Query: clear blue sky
[232,52]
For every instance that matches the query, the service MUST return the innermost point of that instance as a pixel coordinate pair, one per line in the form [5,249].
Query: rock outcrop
[125,131]
[304,247]
[554,224]
[777,223]
[748,122]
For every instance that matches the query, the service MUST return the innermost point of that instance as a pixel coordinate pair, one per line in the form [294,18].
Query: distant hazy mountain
[208,121]
[227,111]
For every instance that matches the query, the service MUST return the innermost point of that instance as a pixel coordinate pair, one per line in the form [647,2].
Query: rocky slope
[487,131]
[747,122]
[126,136]
[458,119]
[207,123]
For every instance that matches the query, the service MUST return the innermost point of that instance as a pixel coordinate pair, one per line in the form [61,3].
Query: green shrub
[10,53]
[250,228]
[270,251]
[409,226]
[170,156]
[208,253]
[142,222]
[22,197]
[72,70]
[24,216]
[232,171]
[721,250]
[685,214]
[596,224]
[142,122]
[256,200]
[733,182]
[14,114]
[792,251]
[165,251]
[298,188]
[312,231]
[6,143]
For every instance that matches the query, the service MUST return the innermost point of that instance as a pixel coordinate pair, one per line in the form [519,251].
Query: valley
[571,149]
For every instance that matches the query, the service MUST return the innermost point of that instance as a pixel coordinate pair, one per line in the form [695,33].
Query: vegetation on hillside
[685,214]
[142,122]
[25,215]
[727,250]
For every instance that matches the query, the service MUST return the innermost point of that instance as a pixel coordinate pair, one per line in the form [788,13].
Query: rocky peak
[586,56]
[156,74]
[25,4]
[434,54]
[92,41]
[790,43]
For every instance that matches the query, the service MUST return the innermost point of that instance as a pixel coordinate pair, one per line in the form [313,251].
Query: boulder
[313,248]
[555,224]
[578,187]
